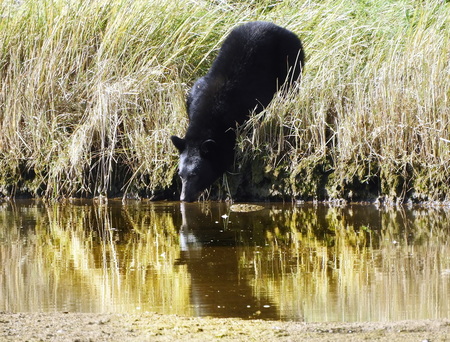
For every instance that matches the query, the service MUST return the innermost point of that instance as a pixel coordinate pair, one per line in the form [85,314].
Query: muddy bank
[155,327]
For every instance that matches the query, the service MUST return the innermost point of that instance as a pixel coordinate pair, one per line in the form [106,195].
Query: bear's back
[252,64]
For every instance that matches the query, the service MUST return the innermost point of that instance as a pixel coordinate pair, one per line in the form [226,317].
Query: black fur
[255,60]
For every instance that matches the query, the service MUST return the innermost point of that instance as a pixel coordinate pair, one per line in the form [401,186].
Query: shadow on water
[307,262]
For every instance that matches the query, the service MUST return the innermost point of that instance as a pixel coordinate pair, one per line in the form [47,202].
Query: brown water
[290,262]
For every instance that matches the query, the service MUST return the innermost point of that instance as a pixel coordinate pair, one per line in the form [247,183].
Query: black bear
[255,60]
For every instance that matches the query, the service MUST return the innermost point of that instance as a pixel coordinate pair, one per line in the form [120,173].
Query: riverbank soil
[155,327]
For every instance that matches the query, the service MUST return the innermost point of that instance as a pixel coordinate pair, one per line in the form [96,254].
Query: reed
[91,91]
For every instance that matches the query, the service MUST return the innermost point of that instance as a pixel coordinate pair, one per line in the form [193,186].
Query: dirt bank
[154,327]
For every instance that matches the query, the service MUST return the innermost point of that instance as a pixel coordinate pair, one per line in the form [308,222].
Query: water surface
[290,262]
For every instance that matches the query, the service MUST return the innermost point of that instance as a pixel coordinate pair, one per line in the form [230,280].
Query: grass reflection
[91,259]
[312,263]
[347,265]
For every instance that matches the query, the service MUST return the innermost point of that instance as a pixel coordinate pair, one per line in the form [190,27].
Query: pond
[302,262]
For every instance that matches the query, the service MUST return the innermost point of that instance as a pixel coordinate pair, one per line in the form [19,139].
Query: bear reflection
[211,248]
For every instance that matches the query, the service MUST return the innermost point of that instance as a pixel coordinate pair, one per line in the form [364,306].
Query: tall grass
[91,91]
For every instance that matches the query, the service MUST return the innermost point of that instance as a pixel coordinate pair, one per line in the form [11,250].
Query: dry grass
[90,92]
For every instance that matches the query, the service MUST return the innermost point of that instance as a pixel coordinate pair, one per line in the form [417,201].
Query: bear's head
[198,166]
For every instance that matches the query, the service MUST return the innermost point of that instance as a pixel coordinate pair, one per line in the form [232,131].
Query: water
[289,262]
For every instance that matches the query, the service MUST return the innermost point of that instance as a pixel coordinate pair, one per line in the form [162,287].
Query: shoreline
[158,327]
[339,202]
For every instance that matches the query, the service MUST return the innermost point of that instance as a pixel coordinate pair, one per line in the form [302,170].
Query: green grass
[90,92]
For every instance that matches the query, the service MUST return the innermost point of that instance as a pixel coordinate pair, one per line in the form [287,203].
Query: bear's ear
[208,147]
[179,143]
